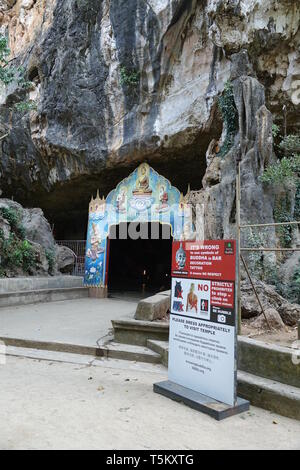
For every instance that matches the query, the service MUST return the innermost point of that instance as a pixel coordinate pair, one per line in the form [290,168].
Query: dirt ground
[284,337]
[51,405]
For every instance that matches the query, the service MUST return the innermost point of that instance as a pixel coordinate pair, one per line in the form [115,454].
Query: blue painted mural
[145,196]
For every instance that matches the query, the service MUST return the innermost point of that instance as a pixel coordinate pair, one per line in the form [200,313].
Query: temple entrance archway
[143,199]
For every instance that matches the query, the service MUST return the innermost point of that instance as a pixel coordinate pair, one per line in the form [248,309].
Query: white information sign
[202,347]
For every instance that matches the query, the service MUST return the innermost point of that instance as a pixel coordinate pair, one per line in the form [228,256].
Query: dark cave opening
[33,75]
[141,265]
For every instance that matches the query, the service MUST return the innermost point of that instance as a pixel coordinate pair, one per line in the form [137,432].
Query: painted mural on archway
[145,196]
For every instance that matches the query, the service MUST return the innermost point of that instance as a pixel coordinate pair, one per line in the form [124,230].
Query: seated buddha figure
[142,183]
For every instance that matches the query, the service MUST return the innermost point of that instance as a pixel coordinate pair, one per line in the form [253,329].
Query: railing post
[238,225]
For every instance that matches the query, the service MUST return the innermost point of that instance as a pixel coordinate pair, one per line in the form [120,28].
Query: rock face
[273,317]
[24,234]
[65,259]
[271,300]
[118,82]
[37,228]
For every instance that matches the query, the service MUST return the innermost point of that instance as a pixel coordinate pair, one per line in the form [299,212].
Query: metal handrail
[275,224]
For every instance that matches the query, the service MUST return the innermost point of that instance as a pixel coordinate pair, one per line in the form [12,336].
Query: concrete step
[255,357]
[270,395]
[21,284]
[12,299]
[132,353]
[138,332]
[108,349]
[161,348]
[85,359]
[269,361]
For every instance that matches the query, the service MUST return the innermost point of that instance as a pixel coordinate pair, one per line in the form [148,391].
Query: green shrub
[16,253]
[7,74]
[286,173]
[25,106]
[28,256]
[290,144]
[256,258]
[275,131]
[129,77]
[282,213]
[281,172]
[291,290]
[17,75]
[294,290]
[14,219]
[230,117]
[50,255]
[297,203]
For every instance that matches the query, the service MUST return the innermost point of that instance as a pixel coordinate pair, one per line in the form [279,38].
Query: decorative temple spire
[97,204]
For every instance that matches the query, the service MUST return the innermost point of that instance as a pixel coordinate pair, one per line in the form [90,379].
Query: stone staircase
[267,375]
[31,290]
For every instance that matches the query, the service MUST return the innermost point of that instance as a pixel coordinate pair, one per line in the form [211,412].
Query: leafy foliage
[256,258]
[290,144]
[50,255]
[16,253]
[275,131]
[290,290]
[294,290]
[264,268]
[230,117]
[129,77]
[10,74]
[7,74]
[14,220]
[283,171]
[282,213]
[286,173]
[22,80]
[297,203]
[25,106]
[88,9]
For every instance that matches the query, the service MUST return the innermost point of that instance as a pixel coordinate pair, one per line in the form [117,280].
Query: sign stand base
[199,402]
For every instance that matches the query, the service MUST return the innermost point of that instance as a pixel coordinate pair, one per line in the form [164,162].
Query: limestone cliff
[122,81]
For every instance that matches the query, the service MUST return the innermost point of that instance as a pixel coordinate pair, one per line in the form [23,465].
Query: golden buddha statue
[142,183]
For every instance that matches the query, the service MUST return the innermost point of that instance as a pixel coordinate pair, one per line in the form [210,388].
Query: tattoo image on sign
[202,348]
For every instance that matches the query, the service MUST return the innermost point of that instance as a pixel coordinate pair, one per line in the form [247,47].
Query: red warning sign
[209,259]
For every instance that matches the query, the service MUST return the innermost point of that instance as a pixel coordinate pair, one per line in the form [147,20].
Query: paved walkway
[81,322]
[47,405]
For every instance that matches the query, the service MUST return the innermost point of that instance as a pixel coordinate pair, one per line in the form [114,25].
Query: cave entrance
[139,261]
